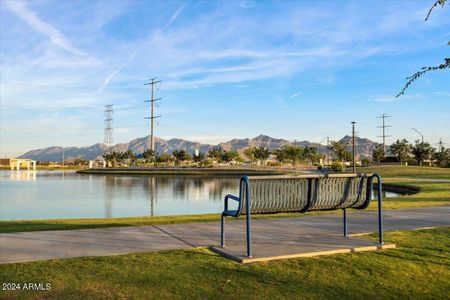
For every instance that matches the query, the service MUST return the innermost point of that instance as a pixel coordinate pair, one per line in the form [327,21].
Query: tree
[442,157]
[215,153]
[257,153]
[164,158]
[402,149]
[198,158]
[423,70]
[250,153]
[378,154]
[311,154]
[281,155]
[148,155]
[289,153]
[228,156]
[181,155]
[422,151]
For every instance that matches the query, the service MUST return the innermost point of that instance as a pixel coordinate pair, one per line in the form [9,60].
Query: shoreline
[189,171]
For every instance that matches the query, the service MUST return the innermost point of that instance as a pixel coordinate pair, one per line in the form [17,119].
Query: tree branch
[411,79]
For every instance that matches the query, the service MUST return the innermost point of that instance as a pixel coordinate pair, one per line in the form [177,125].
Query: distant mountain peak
[139,145]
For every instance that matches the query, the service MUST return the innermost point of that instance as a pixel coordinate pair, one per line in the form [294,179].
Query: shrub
[365,162]
[336,166]
[207,163]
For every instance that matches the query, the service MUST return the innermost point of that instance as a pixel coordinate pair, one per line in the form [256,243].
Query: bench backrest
[274,194]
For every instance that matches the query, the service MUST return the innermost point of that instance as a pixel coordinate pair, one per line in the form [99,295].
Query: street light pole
[353,146]
[418,133]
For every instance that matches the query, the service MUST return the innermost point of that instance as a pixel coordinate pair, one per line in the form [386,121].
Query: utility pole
[384,136]
[108,131]
[152,117]
[418,133]
[328,151]
[353,146]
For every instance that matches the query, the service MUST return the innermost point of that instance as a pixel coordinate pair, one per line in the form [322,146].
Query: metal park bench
[278,194]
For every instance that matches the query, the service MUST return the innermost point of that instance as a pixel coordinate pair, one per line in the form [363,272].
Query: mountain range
[364,147]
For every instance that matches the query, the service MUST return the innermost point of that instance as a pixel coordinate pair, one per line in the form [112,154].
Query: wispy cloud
[390,98]
[115,72]
[176,14]
[31,18]
[442,93]
[295,95]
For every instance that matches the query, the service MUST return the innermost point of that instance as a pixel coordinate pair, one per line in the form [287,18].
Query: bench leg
[345,223]
[249,237]
[380,213]
[222,231]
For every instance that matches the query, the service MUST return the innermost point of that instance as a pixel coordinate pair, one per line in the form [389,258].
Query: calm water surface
[27,195]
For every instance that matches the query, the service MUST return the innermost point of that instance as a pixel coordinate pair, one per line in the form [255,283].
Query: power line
[108,140]
[384,126]
[152,117]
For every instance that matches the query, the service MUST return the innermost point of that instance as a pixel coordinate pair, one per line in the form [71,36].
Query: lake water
[27,195]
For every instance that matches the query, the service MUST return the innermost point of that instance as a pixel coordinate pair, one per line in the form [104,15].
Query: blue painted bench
[302,193]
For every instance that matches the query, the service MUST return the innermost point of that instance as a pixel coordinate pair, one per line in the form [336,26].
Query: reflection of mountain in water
[179,188]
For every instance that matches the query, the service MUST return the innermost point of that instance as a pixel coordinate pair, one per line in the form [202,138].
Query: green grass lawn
[407,171]
[431,194]
[418,269]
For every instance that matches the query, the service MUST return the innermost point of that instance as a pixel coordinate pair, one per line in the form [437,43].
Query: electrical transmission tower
[152,117]
[384,126]
[108,140]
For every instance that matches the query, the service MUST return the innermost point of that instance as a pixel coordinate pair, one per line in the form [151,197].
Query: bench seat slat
[290,194]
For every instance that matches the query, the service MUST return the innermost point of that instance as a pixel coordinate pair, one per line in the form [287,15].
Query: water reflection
[53,194]
[22,175]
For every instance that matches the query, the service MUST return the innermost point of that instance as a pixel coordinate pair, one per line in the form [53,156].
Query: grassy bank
[407,171]
[418,269]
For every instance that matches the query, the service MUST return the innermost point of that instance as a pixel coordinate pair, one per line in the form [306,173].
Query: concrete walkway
[280,236]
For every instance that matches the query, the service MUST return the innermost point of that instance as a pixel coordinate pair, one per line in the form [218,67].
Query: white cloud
[115,72]
[176,14]
[442,93]
[31,18]
[295,95]
[390,98]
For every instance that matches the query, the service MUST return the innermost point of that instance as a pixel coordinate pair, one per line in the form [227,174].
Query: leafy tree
[250,153]
[340,149]
[422,151]
[423,70]
[402,149]
[442,157]
[148,155]
[198,158]
[164,158]
[289,153]
[378,154]
[257,153]
[281,155]
[181,155]
[311,154]
[216,153]
[228,156]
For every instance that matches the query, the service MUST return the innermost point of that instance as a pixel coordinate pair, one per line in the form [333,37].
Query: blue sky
[290,69]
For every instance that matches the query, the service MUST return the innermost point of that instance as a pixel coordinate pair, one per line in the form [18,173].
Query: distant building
[18,163]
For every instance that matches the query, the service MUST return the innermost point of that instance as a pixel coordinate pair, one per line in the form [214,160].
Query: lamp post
[320,145]
[418,133]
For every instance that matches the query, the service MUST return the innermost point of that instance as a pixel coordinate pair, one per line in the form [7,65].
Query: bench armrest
[226,211]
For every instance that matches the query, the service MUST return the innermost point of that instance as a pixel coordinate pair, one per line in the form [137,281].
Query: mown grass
[430,194]
[407,171]
[418,269]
